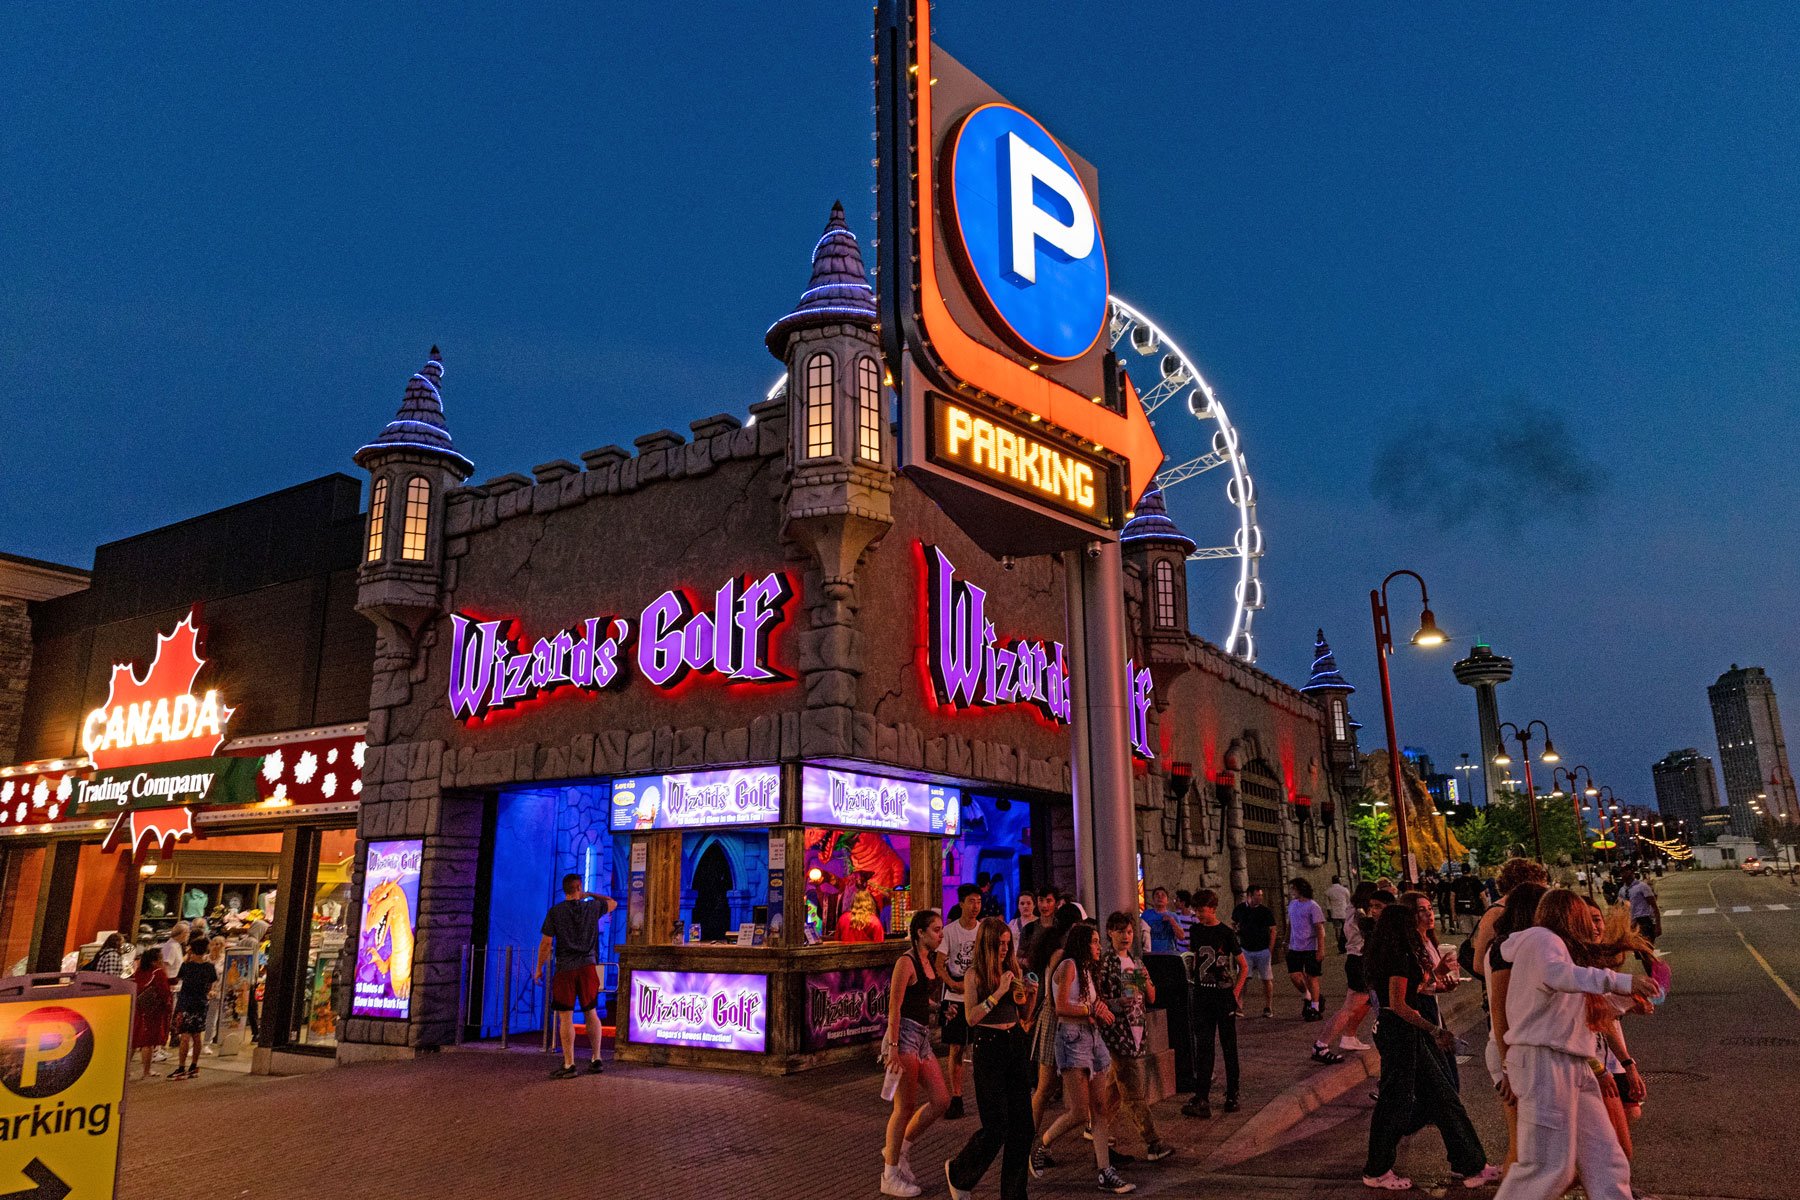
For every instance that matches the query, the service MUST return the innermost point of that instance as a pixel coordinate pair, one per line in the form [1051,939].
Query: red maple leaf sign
[158,718]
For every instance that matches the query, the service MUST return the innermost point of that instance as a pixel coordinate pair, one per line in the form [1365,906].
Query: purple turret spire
[1150,523]
[839,292]
[1325,674]
[419,426]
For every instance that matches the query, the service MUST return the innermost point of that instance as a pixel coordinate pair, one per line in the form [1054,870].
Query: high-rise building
[1687,789]
[1752,749]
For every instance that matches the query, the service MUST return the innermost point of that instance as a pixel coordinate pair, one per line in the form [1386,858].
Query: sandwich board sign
[64,1044]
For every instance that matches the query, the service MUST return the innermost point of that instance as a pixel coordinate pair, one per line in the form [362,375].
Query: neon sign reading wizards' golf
[490,671]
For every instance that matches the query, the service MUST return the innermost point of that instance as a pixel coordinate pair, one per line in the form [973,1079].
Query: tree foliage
[1375,842]
[1504,828]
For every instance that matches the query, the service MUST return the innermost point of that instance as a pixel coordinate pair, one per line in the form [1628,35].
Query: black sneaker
[1231,1104]
[955,1110]
[1040,1160]
[1110,1182]
[1197,1107]
[1325,1054]
[1119,1158]
[596,1067]
[1157,1151]
[563,1073]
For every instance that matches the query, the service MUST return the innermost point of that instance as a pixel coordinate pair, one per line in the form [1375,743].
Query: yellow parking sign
[64,1042]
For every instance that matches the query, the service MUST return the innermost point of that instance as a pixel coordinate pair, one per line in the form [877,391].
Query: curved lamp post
[1428,635]
[1523,737]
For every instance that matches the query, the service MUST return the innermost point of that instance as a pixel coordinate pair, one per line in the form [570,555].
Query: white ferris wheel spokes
[1164,373]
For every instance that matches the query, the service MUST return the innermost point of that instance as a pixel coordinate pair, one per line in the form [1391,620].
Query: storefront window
[858,884]
[725,886]
[315,1013]
[994,842]
[18,907]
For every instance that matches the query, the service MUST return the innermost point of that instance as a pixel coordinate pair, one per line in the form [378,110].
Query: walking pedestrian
[215,1008]
[1021,925]
[1519,911]
[1337,906]
[1365,906]
[571,935]
[1511,874]
[907,1047]
[1646,912]
[1165,932]
[998,1002]
[1256,924]
[150,1018]
[1219,972]
[1416,1085]
[1305,946]
[1081,1057]
[953,963]
[197,979]
[1564,1129]
[1126,988]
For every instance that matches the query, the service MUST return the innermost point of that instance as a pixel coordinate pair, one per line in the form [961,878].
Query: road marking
[1705,912]
[1740,908]
[1778,908]
[1764,963]
[1672,912]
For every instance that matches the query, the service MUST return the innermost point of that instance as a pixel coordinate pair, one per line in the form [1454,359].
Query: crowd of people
[1045,1021]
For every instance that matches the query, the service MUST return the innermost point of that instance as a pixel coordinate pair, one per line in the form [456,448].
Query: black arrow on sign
[48,1186]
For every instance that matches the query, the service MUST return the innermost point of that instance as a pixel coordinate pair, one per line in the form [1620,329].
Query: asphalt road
[1719,1057]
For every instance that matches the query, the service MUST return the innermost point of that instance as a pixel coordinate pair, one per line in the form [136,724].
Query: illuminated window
[1165,595]
[377,518]
[1337,720]
[868,410]
[418,516]
[820,379]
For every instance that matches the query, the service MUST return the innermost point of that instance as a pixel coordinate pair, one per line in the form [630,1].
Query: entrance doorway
[712,893]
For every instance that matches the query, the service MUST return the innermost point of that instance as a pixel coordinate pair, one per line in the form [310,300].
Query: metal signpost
[1015,417]
[64,1045]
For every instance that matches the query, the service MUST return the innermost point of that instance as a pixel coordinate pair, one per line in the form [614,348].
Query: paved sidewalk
[485,1124]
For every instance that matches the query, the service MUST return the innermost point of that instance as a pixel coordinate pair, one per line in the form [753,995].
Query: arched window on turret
[378,498]
[1338,729]
[820,381]
[868,410]
[418,518]
[1165,594]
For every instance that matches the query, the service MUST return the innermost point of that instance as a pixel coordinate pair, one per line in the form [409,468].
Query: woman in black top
[907,1047]
[1417,1088]
[998,1003]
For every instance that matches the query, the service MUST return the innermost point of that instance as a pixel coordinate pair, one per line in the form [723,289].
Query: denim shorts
[1260,967]
[1079,1045]
[915,1039]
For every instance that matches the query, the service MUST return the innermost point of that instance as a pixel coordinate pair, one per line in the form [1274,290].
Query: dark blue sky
[1506,295]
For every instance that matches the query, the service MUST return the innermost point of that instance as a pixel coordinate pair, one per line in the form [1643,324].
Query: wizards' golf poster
[390,910]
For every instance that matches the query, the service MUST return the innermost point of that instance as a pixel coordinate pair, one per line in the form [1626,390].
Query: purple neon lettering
[473,650]
[659,649]
[758,612]
[488,672]
[728,643]
[958,621]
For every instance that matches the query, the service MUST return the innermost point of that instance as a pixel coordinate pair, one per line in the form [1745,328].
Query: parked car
[1756,866]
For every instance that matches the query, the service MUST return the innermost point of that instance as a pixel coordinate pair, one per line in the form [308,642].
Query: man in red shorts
[572,930]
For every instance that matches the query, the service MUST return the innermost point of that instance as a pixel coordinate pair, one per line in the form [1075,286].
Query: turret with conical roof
[1328,688]
[411,463]
[1157,547]
[840,484]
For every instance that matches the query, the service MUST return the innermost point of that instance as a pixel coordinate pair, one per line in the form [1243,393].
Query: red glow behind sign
[158,718]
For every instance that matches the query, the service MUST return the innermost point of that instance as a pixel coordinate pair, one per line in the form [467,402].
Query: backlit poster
[718,1012]
[833,796]
[390,913]
[697,799]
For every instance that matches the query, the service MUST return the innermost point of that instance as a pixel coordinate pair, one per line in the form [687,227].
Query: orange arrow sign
[1127,435]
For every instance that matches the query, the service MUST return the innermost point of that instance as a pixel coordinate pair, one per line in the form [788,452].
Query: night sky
[1506,295]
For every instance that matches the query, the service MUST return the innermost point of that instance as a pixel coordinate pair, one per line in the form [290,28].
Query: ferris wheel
[1141,344]
[1164,373]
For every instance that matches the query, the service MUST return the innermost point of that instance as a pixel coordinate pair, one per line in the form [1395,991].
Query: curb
[1271,1124]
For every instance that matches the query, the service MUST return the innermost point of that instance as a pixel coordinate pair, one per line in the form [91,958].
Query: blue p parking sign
[1028,235]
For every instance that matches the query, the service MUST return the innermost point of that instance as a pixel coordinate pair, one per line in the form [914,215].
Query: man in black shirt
[1256,923]
[1219,971]
[572,931]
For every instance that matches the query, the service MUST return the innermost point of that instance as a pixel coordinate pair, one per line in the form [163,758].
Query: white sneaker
[905,1169]
[1349,1043]
[894,1184]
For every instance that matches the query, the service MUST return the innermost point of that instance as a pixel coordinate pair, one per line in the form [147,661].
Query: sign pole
[1100,749]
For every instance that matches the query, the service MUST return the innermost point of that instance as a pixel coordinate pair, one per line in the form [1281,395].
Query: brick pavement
[480,1124]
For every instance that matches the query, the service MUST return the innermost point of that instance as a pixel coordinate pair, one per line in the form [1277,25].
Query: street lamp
[1523,737]
[1428,635]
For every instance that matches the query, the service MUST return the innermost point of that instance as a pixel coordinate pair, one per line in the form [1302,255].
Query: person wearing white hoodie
[1564,1130]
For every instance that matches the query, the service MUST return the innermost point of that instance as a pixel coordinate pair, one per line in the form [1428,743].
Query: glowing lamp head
[815,875]
[1592,790]
[1550,754]
[1429,634]
[1503,759]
